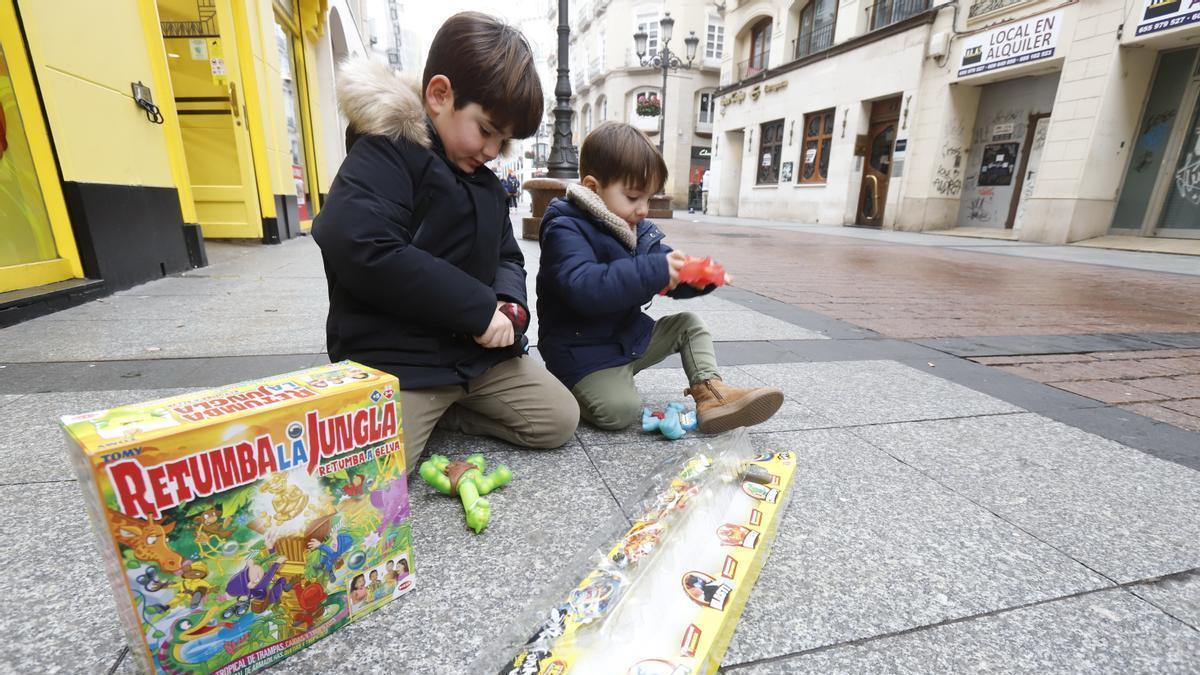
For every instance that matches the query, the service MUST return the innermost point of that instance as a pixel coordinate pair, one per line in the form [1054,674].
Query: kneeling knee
[614,416]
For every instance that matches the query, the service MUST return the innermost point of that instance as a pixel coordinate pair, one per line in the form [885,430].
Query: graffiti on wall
[980,209]
[948,178]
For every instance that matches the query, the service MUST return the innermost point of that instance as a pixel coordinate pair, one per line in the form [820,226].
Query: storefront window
[1182,210]
[291,109]
[1147,158]
[25,234]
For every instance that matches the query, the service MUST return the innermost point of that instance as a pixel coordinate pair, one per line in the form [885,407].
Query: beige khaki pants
[518,401]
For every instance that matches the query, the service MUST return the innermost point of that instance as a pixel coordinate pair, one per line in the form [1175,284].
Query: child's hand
[499,333]
[675,261]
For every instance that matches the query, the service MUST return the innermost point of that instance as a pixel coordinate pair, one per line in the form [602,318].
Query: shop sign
[1033,39]
[1166,14]
[699,152]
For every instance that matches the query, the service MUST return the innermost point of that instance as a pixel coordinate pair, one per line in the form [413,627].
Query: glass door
[36,245]
[1161,191]
[1181,213]
[291,73]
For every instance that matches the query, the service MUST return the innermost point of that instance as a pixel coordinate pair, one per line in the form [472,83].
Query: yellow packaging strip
[662,596]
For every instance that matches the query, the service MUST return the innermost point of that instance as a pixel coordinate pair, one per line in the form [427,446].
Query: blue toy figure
[673,423]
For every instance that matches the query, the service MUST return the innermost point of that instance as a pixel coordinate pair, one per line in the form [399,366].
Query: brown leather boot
[721,407]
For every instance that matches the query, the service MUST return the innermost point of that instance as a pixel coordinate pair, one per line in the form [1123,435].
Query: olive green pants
[516,400]
[608,398]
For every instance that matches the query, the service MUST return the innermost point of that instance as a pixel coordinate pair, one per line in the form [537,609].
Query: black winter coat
[416,252]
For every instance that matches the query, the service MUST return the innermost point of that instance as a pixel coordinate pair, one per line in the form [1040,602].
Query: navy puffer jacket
[591,289]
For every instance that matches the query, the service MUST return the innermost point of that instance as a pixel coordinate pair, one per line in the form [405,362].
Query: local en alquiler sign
[1167,14]
[1032,39]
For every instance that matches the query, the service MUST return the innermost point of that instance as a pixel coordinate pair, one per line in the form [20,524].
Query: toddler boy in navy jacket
[601,262]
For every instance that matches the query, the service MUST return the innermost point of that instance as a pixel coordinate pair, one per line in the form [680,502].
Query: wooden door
[1031,159]
[877,165]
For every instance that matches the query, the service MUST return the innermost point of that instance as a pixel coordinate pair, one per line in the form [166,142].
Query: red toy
[517,314]
[701,273]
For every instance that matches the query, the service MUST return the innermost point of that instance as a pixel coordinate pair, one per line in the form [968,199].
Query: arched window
[816,27]
[587,119]
[601,109]
[760,48]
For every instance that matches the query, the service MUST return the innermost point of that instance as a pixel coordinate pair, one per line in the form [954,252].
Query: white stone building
[607,78]
[1043,120]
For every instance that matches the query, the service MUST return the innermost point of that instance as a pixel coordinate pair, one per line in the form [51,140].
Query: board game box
[239,525]
[661,596]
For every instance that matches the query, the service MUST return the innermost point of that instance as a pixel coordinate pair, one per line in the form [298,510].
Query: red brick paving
[1164,384]
[906,291]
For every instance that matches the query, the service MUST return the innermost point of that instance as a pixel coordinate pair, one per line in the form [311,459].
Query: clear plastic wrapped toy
[661,591]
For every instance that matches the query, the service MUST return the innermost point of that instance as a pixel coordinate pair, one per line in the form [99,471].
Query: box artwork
[242,524]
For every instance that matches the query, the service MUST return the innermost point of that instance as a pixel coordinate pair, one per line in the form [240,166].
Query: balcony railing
[595,67]
[888,12]
[751,67]
[811,42]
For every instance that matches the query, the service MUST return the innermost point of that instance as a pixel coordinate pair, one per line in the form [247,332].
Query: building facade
[1044,121]
[133,130]
[609,82]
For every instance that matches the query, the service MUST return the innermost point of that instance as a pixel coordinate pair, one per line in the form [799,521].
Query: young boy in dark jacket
[418,249]
[601,261]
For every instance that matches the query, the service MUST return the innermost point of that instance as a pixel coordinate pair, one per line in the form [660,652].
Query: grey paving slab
[1019,391]
[869,546]
[1148,435]
[1017,345]
[861,349]
[33,447]
[1175,340]
[1105,632]
[83,340]
[1119,511]
[664,305]
[207,282]
[1177,595]
[471,588]
[149,373]
[873,392]
[8,398]
[832,328]
[56,612]
[292,308]
[731,326]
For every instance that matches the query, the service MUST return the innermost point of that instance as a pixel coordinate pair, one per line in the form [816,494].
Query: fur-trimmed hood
[377,101]
[591,203]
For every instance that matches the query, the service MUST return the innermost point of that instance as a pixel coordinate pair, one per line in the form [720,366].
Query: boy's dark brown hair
[617,152]
[488,62]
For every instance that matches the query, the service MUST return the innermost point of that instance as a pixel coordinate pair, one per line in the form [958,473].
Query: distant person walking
[513,187]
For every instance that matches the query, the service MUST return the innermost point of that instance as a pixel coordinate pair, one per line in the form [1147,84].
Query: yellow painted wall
[85,54]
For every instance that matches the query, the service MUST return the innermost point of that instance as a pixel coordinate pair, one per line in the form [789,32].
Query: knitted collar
[591,203]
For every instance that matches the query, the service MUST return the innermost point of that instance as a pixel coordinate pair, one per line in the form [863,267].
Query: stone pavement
[948,516]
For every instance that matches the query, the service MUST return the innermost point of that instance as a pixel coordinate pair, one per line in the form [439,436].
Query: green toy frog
[467,480]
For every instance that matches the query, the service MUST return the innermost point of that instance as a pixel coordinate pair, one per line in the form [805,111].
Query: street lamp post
[564,161]
[666,61]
